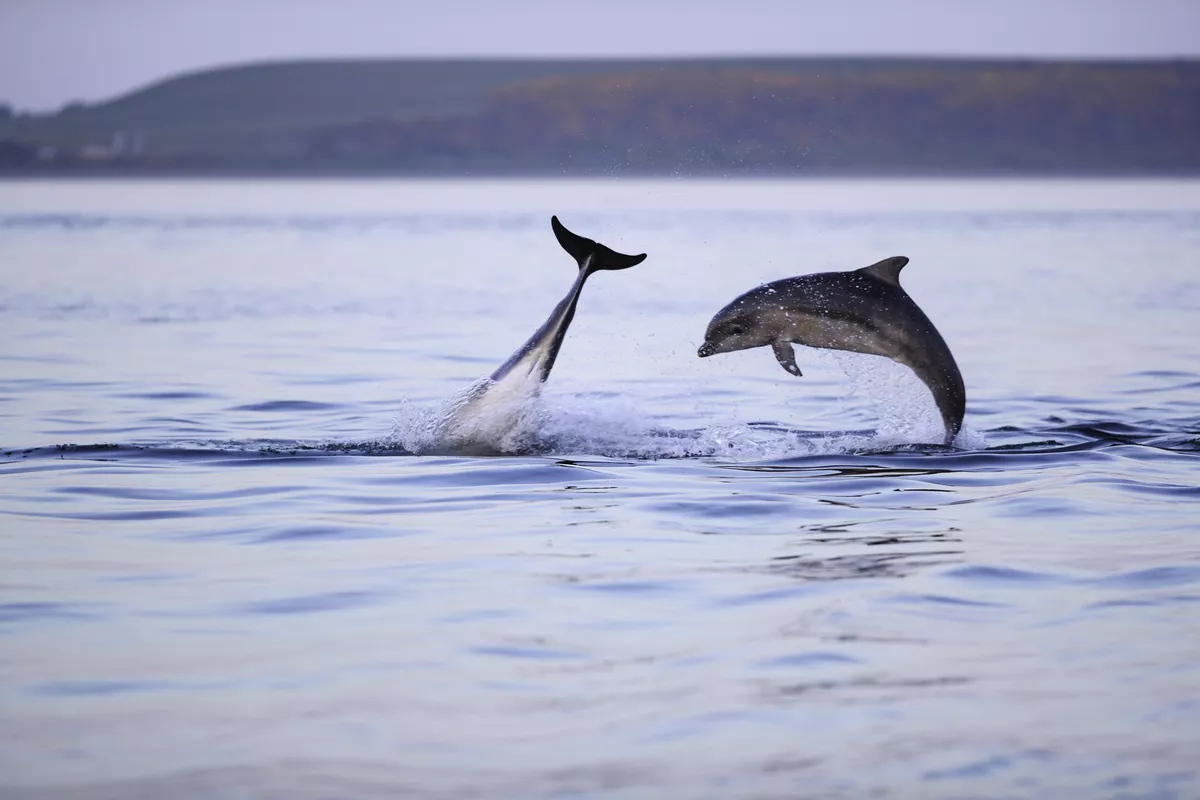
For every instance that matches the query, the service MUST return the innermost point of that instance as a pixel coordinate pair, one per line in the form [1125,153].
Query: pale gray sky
[53,51]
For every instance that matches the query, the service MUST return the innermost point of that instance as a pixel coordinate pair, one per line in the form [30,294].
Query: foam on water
[518,418]
[482,418]
[907,411]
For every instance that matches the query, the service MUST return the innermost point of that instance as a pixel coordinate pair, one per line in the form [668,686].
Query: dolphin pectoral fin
[786,356]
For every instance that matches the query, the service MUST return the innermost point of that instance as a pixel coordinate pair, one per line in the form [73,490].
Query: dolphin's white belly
[488,412]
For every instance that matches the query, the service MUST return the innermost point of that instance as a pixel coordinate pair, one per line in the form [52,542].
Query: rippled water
[223,574]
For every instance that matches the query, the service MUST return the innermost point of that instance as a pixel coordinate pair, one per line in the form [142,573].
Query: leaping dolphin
[863,311]
[465,425]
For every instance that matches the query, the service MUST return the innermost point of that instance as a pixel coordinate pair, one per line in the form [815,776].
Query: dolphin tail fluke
[591,255]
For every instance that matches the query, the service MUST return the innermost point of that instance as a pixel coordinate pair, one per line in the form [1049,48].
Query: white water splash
[483,418]
[613,427]
[908,413]
[616,427]
[515,417]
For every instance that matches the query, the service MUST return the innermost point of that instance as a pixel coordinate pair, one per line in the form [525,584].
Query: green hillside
[287,96]
[636,116]
[290,96]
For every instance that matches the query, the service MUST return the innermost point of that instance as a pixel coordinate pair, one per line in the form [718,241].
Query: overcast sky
[54,51]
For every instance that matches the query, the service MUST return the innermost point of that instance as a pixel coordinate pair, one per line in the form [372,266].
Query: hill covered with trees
[608,117]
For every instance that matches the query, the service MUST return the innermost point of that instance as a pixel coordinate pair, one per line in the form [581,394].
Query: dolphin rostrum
[863,311]
[466,424]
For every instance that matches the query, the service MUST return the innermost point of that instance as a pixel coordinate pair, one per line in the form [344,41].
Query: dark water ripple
[34,612]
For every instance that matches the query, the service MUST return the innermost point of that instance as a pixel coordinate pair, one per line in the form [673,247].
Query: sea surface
[231,564]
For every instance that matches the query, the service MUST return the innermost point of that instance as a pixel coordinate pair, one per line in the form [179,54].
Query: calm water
[223,573]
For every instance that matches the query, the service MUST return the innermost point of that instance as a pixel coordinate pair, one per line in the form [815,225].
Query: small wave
[311,604]
[100,688]
[1003,576]
[176,395]
[40,612]
[813,659]
[274,406]
[526,653]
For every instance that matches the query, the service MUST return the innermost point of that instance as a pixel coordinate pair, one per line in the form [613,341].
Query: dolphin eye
[736,330]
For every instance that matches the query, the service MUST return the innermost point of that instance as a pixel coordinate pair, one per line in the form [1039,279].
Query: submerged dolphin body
[468,425]
[863,311]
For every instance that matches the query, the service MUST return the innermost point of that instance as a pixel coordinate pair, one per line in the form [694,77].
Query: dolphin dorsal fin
[589,254]
[887,270]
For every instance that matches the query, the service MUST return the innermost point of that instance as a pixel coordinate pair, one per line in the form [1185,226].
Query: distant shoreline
[16,176]
[579,118]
